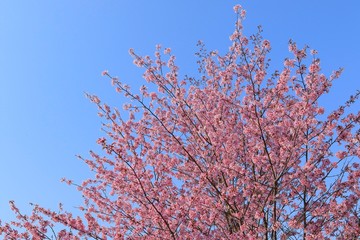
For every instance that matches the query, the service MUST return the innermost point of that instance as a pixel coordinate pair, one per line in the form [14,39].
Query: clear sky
[51,52]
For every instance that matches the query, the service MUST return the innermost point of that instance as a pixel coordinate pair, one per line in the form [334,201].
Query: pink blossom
[266,44]
[114,81]
[153,95]
[314,68]
[95,99]
[131,51]
[105,73]
[289,63]
[243,13]
[167,51]
[237,8]
[341,154]
[320,110]
[313,52]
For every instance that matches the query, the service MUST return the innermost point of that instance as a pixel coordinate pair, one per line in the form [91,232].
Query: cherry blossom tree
[236,153]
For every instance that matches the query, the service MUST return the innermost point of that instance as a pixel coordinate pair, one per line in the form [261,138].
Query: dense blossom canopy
[237,153]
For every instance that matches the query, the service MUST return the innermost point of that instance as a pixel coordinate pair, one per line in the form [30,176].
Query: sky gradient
[51,52]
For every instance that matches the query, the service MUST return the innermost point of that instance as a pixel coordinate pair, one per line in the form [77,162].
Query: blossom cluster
[237,153]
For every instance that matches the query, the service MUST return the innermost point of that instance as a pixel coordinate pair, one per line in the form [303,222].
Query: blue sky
[51,52]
